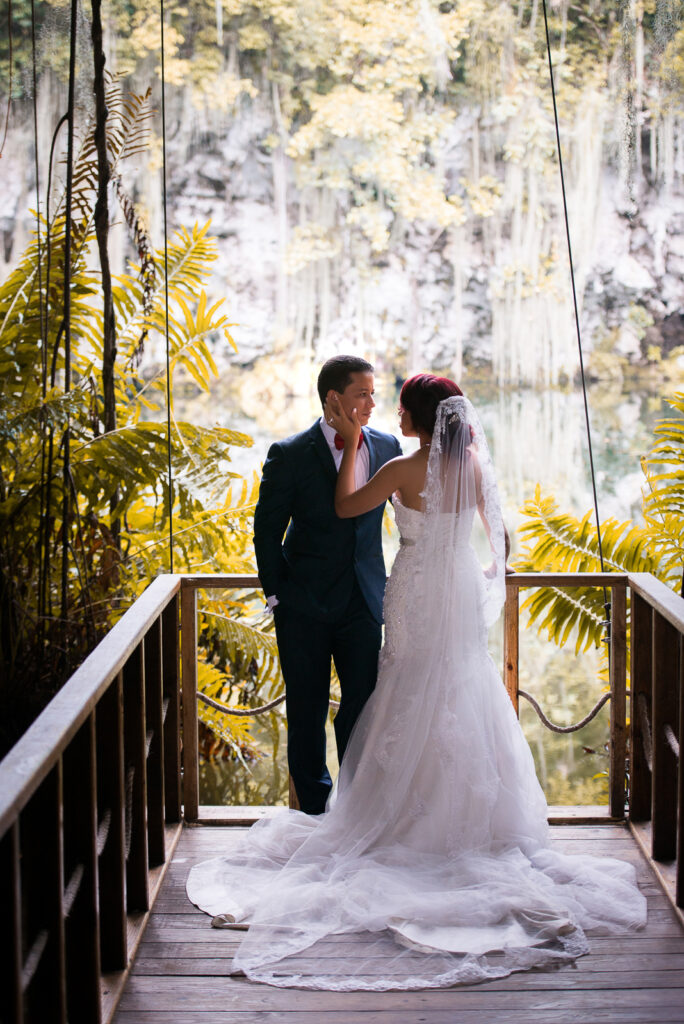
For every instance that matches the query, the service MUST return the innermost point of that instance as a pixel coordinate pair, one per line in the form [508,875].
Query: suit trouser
[306,646]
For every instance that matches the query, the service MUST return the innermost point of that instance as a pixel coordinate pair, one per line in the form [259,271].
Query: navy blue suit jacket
[313,570]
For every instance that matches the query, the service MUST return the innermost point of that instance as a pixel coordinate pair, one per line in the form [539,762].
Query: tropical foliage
[84,511]
[556,541]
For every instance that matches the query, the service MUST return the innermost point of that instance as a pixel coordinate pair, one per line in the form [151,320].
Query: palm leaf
[248,643]
[229,730]
[558,542]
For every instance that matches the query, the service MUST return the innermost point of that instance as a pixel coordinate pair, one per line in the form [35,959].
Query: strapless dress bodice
[408,520]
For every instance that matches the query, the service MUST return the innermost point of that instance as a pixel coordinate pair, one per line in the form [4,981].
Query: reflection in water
[535,436]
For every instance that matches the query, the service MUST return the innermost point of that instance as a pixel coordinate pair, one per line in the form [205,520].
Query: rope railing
[565,728]
[646,737]
[262,709]
[226,709]
[672,740]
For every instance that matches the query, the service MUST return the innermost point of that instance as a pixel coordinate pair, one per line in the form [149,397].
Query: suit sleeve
[271,517]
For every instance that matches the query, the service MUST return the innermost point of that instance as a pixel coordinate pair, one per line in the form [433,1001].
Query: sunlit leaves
[232,731]
[558,542]
[664,495]
[117,482]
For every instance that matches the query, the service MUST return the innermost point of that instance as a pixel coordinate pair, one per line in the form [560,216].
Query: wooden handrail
[657,724]
[29,761]
[221,581]
[566,579]
[89,815]
[659,597]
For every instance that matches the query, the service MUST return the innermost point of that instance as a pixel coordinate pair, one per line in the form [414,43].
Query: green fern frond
[233,731]
[248,643]
[134,457]
[664,467]
[556,541]
[562,611]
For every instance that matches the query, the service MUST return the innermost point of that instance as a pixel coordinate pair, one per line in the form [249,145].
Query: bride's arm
[507,539]
[349,501]
[483,517]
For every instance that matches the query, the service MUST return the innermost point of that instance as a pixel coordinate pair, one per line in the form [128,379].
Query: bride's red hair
[420,396]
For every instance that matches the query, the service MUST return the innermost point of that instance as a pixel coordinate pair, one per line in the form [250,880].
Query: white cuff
[271,602]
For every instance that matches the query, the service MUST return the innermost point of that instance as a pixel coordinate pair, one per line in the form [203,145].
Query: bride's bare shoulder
[411,478]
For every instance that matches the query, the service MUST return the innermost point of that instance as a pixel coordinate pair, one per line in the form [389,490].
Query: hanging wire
[46,599]
[43,555]
[11,67]
[36,164]
[606,602]
[166,294]
[66,493]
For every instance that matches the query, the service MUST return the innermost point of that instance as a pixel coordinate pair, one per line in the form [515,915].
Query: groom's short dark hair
[336,373]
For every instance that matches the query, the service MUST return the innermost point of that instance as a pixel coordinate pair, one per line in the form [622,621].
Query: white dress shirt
[362,461]
[361,468]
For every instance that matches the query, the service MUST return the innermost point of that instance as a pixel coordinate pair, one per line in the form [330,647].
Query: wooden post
[189,691]
[112,828]
[665,712]
[171,691]
[154,717]
[11,994]
[640,703]
[80,872]
[512,643]
[618,702]
[42,868]
[137,888]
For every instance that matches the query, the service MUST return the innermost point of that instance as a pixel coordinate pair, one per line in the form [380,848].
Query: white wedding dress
[432,859]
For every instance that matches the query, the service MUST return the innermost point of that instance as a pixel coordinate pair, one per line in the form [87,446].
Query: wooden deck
[180,974]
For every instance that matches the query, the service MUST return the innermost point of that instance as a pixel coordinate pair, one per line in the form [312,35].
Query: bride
[432,859]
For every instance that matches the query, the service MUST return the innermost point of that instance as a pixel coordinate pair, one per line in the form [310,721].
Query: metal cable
[166,293]
[43,543]
[11,68]
[66,495]
[606,603]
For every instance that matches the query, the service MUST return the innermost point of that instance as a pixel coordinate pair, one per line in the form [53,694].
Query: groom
[325,581]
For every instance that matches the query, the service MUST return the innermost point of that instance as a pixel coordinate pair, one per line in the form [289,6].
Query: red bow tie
[339,442]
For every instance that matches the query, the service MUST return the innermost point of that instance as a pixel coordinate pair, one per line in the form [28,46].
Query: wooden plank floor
[181,971]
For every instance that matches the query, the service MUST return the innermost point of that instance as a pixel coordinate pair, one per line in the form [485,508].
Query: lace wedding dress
[432,859]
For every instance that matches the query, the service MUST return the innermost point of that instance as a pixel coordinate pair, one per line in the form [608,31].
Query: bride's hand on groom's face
[346,424]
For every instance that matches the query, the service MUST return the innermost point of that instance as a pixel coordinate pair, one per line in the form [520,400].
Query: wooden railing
[90,798]
[90,809]
[657,726]
[646,777]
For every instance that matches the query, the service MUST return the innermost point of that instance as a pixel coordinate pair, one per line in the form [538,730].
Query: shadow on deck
[181,971]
